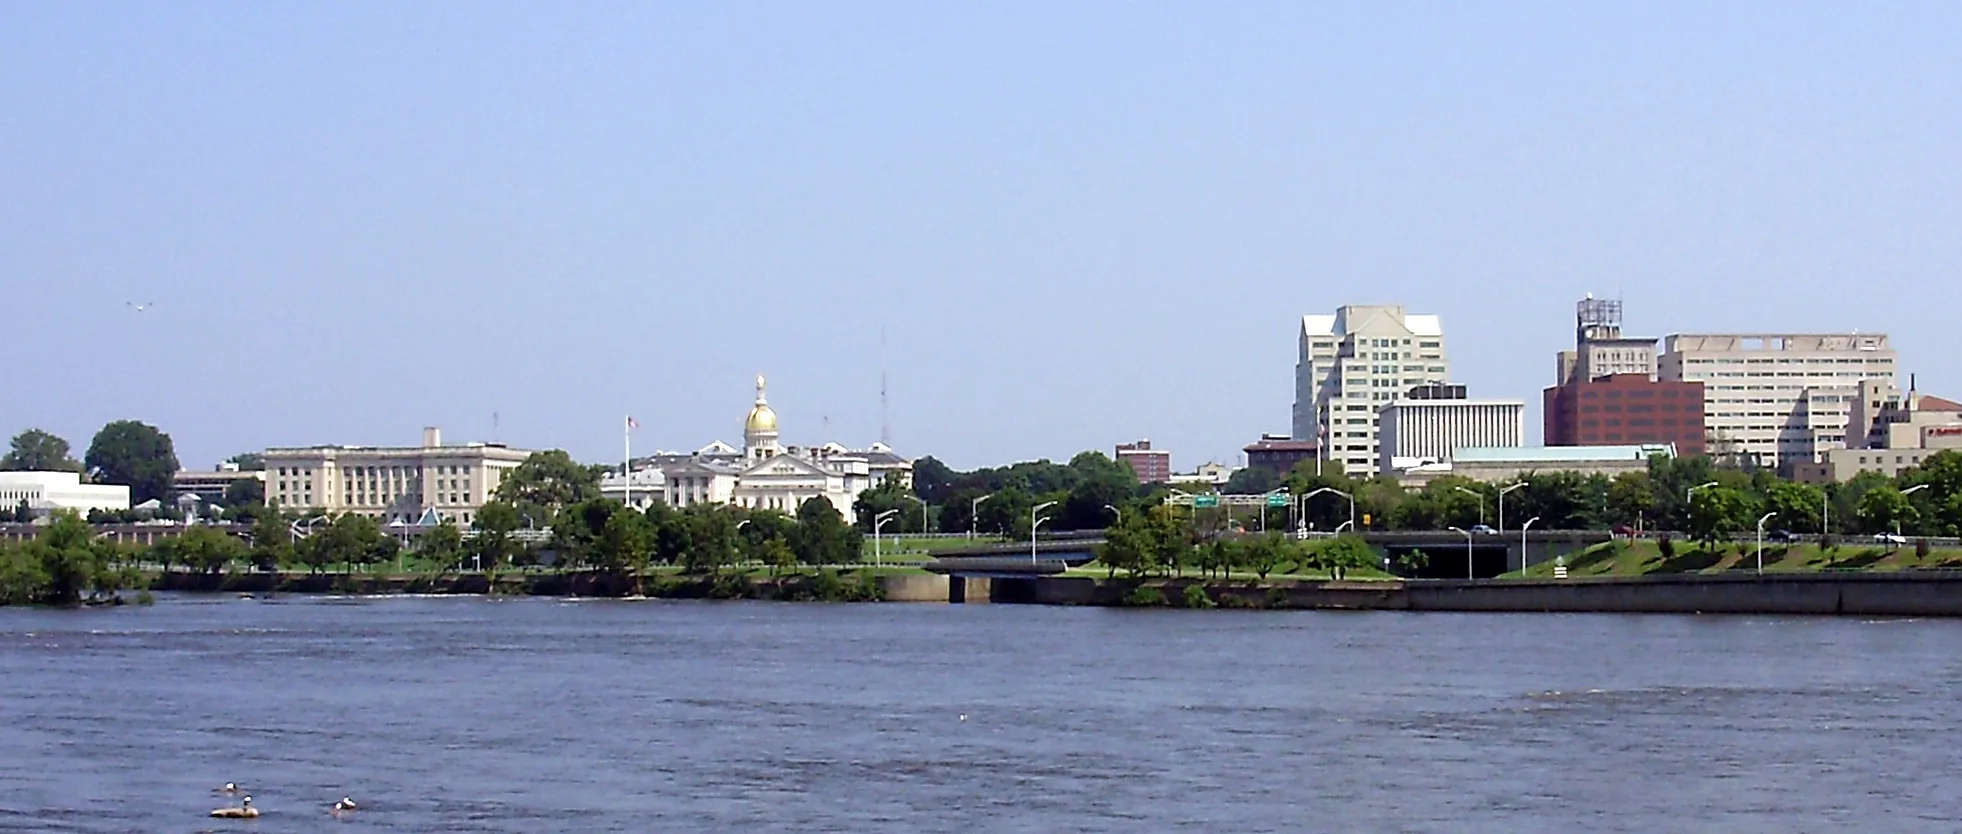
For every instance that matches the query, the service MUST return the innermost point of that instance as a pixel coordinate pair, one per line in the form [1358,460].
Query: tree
[822,536]
[442,544]
[776,553]
[1631,499]
[248,461]
[1796,504]
[1131,545]
[1101,484]
[1252,480]
[890,495]
[1265,553]
[1884,508]
[206,548]
[933,480]
[1718,512]
[1343,553]
[625,544]
[245,492]
[135,454]
[547,482]
[494,544]
[35,450]
[712,540]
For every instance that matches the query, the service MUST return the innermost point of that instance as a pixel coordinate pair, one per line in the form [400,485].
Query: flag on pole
[632,424]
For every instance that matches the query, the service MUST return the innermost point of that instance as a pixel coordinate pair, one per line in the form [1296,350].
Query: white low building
[48,491]
[643,487]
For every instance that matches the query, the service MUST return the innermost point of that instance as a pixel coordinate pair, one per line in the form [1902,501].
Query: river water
[535,715]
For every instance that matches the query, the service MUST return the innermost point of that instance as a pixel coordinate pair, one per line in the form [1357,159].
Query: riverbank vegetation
[64,565]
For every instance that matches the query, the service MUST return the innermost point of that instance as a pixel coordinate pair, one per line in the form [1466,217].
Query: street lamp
[1343,526]
[1522,543]
[1904,493]
[1691,495]
[1761,521]
[1117,515]
[1033,524]
[1468,552]
[878,558]
[1481,502]
[1502,508]
[974,515]
[923,511]
[1352,501]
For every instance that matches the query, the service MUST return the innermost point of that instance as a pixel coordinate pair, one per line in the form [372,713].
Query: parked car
[1624,531]
[1780,536]
[1890,538]
[1480,528]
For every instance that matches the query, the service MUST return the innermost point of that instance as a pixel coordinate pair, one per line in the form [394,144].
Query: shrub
[1667,546]
[1921,549]
[729,586]
[1144,596]
[144,597]
[1195,597]
[1277,598]
[1828,542]
[1237,601]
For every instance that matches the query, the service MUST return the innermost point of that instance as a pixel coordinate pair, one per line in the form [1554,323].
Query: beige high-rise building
[1353,363]
[1779,400]
[391,483]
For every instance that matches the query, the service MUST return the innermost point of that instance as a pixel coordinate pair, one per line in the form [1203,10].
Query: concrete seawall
[1930,594]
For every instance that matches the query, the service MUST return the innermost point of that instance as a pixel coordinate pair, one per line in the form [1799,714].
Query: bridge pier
[973,590]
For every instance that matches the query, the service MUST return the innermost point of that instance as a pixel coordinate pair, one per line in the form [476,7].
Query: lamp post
[974,515]
[1904,493]
[1691,494]
[878,558]
[1761,521]
[923,512]
[1117,515]
[1468,552]
[1352,501]
[1502,512]
[1343,526]
[1522,543]
[1481,502]
[1033,524]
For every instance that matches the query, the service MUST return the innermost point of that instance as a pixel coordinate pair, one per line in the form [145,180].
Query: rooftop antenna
[494,427]
[885,413]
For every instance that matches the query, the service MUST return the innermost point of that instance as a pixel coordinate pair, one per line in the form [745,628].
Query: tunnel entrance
[1448,562]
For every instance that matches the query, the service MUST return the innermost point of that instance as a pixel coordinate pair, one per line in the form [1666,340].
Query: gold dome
[762,419]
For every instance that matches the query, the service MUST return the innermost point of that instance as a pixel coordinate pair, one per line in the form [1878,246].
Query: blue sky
[1077,223]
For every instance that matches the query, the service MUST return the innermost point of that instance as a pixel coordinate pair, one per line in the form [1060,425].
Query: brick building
[1279,454]
[1152,466]
[1624,409]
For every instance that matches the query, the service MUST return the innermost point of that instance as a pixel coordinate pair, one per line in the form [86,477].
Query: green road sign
[1203,501]
[1278,499]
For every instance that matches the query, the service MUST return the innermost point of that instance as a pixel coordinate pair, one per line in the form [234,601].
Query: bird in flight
[140,307]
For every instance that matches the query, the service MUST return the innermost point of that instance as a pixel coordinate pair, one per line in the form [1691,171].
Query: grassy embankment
[1639,558]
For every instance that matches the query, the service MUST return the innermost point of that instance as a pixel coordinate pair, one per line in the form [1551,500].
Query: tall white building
[1414,432]
[1353,363]
[1778,399]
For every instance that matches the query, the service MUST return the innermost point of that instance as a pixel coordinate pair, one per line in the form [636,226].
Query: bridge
[1450,555]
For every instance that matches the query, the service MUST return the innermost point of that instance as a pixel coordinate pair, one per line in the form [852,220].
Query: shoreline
[1918,593]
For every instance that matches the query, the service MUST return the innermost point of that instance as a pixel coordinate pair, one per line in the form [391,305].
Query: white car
[1889,538]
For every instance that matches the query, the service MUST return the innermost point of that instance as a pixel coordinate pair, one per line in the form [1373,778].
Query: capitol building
[763,475]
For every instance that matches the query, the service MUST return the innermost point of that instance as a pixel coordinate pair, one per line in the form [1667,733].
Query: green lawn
[1625,558]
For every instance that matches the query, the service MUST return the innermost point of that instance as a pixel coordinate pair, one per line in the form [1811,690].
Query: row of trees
[1164,541]
[64,565]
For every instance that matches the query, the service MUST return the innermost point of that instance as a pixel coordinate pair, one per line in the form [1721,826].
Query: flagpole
[627,468]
